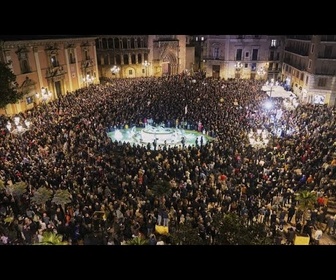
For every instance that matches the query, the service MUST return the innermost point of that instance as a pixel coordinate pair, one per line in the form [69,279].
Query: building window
[307,78]
[143,71]
[86,55]
[139,58]
[322,82]
[24,63]
[24,66]
[327,51]
[309,64]
[29,100]
[126,60]
[301,76]
[253,66]
[133,59]
[239,54]
[216,53]
[53,61]
[255,54]
[273,42]
[71,58]
[312,48]
[246,65]
[130,72]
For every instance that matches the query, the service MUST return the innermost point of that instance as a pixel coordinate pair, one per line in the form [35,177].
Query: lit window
[273,43]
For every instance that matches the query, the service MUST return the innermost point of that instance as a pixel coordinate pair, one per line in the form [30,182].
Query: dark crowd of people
[68,147]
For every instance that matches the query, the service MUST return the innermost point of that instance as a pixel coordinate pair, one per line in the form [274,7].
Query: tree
[62,197]
[17,189]
[52,238]
[41,196]
[186,234]
[234,231]
[2,186]
[161,189]
[8,86]
[306,200]
[137,240]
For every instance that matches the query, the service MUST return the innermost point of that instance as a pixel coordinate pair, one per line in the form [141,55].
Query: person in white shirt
[317,236]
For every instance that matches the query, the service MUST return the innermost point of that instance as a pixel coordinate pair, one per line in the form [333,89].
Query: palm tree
[161,189]
[62,197]
[17,189]
[233,230]
[41,196]
[2,185]
[137,240]
[306,200]
[52,238]
[186,234]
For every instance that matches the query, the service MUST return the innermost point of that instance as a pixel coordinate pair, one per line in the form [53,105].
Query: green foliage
[2,185]
[307,201]
[161,188]
[51,238]
[62,197]
[8,86]
[17,189]
[186,234]
[41,196]
[137,240]
[233,230]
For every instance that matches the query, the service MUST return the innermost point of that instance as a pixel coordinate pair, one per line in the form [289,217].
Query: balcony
[87,63]
[328,38]
[54,71]
[300,37]
[213,58]
[297,51]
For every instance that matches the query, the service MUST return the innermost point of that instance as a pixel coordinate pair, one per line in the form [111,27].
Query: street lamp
[271,87]
[238,66]
[261,71]
[88,80]
[146,64]
[45,95]
[19,126]
[115,70]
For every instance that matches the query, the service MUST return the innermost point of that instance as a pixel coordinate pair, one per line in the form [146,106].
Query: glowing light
[118,135]
[268,104]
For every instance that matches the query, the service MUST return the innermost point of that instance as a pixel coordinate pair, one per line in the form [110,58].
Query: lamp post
[271,87]
[199,51]
[146,64]
[238,67]
[261,72]
[115,70]
[45,95]
[19,127]
[88,80]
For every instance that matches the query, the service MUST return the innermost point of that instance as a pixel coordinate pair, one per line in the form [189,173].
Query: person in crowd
[69,147]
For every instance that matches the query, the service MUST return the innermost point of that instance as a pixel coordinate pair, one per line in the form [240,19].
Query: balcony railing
[296,51]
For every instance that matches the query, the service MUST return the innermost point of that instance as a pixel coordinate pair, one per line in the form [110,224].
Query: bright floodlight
[17,120]
[268,104]
[118,135]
